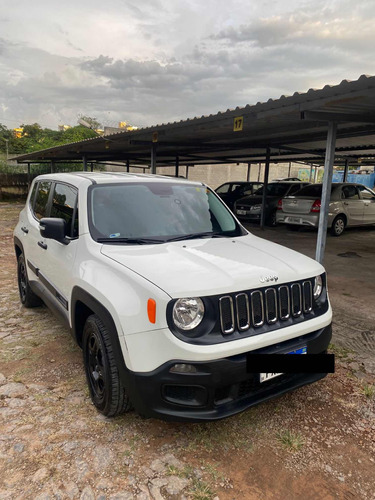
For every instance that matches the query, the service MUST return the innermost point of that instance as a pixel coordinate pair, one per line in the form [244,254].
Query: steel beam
[264,197]
[346,170]
[153,158]
[248,171]
[127,165]
[84,161]
[326,192]
[177,166]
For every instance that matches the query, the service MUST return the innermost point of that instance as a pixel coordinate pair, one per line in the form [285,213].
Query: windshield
[314,191]
[157,211]
[276,189]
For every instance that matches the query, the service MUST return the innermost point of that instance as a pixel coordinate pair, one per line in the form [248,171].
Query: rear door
[352,204]
[368,198]
[39,208]
[59,257]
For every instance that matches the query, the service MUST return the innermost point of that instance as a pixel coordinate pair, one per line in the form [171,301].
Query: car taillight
[280,204]
[316,206]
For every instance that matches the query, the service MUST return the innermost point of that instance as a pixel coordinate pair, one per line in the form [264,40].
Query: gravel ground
[317,442]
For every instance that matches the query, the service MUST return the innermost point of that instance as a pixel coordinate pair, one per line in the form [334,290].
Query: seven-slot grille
[266,306]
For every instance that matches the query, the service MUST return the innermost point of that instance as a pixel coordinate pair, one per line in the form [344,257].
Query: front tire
[106,389]
[27,297]
[338,226]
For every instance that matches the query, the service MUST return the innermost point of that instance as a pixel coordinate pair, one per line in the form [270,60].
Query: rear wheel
[27,297]
[106,389]
[338,226]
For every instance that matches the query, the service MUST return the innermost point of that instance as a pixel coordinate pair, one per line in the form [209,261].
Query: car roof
[113,177]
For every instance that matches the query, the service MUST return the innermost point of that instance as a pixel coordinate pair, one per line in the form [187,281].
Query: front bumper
[219,388]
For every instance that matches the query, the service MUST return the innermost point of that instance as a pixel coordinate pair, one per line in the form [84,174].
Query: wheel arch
[18,247]
[343,215]
[83,305]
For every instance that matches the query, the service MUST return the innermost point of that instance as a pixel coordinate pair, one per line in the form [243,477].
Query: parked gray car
[249,208]
[350,205]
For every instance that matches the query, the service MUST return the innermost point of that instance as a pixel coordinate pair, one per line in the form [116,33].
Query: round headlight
[188,313]
[318,287]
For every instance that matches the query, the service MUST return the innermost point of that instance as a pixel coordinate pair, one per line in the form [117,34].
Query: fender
[92,305]
[17,243]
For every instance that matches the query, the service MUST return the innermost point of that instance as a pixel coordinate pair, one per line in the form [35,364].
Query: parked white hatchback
[350,205]
[168,295]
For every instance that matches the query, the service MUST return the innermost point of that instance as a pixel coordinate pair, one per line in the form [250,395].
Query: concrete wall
[215,175]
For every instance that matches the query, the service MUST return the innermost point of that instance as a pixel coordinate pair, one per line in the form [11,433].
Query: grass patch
[291,440]
[369,391]
[200,490]
[341,352]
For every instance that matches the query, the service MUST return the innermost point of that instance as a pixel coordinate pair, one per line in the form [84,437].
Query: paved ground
[318,442]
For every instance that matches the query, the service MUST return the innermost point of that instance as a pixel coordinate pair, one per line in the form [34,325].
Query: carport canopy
[332,125]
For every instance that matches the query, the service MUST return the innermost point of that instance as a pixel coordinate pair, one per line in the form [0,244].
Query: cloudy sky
[154,61]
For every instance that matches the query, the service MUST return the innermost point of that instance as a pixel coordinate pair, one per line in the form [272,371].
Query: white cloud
[161,60]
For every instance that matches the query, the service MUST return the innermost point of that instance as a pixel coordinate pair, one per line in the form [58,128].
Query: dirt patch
[317,442]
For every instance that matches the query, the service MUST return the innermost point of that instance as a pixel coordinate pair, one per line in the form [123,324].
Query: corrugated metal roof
[276,123]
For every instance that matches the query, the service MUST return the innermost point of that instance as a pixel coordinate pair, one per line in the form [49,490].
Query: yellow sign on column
[237,123]
[155,137]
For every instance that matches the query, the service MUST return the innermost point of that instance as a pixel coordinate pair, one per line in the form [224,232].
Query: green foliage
[35,138]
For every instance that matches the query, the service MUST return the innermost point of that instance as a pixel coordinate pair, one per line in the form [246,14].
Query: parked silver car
[350,205]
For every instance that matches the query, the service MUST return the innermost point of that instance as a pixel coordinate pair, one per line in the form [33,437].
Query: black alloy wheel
[338,226]
[106,388]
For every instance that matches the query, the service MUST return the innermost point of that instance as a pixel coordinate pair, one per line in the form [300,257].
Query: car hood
[213,266]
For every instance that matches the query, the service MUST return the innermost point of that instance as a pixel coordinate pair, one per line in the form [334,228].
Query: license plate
[241,212]
[294,220]
[263,377]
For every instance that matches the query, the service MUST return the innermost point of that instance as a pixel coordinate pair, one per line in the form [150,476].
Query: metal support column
[311,169]
[127,165]
[153,158]
[264,199]
[28,175]
[326,191]
[52,166]
[84,161]
[290,166]
[92,167]
[187,171]
[260,166]
[248,171]
[346,170]
[177,166]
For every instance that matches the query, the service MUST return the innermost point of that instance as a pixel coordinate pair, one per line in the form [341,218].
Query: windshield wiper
[138,241]
[192,236]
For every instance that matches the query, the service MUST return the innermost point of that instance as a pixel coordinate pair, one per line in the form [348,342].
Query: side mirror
[54,229]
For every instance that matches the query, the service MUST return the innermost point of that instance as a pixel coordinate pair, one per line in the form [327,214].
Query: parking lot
[318,442]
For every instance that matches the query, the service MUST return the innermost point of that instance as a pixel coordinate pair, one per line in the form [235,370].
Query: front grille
[255,308]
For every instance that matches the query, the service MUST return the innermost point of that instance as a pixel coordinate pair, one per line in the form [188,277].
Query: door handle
[24,229]
[42,245]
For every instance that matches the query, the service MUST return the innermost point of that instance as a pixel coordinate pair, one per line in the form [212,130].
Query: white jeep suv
[170,298]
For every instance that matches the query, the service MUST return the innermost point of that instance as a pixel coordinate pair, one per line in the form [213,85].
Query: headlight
[318,287]
[188,313]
